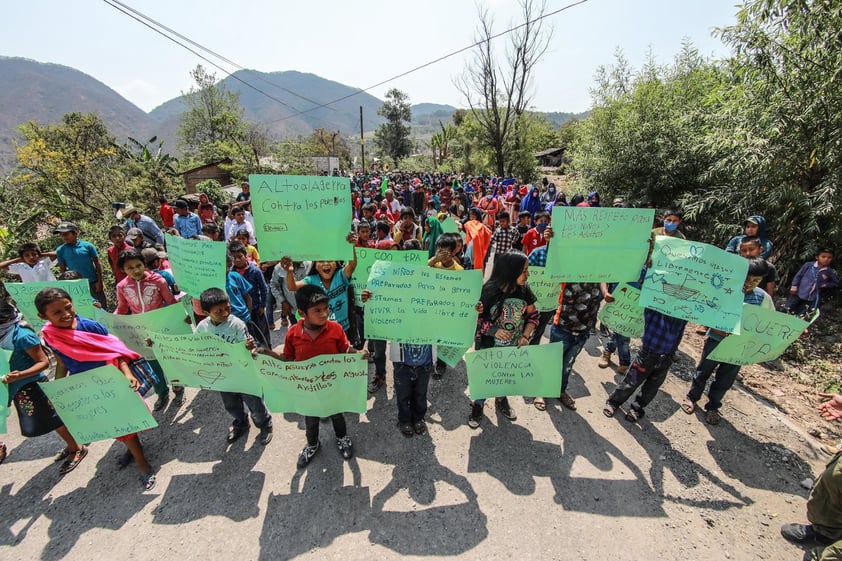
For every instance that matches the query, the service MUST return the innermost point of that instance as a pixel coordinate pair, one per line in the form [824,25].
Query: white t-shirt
[39,273]
[233,329]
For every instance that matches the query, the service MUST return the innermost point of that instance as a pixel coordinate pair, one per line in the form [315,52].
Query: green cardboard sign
[98,404]
[24,297]
[696,282]
[202,360]
[366,258]
[5,356]
[546,289]
[318,387]
[598,244]
[764,335]
[531,370]
[451,356]
[305,217]
[197,264]
[135,328]
[449,226]
[422,305]
[624,315]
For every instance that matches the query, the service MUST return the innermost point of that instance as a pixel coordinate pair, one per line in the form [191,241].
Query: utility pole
[362,138]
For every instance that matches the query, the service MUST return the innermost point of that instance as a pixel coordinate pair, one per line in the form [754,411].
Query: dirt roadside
[550,485]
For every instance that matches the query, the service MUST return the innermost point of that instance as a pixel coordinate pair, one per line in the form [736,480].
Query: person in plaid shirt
[506,237]
[661,336]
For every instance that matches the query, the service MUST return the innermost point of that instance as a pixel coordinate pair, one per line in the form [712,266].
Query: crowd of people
[503,226]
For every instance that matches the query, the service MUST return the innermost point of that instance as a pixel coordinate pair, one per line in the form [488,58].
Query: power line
[441,58]
[228,61]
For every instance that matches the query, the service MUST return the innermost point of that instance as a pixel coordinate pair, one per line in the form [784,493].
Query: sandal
[539,404]
[688,406]
[178,398]
[633,415]
[149,480]
[609,410]
[712,417]
[61,455]
[406,429]
[3,452]
[567,401]
[73,460]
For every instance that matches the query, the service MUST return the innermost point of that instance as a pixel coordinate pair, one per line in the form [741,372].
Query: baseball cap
[134,232]
[63,227]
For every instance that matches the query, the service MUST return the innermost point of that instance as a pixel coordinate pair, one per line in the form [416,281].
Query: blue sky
[357,43]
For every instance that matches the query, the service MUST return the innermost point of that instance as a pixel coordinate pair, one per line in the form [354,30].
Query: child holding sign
[312,336]
[82,344]
[725,373]
[27,363]
[507,319]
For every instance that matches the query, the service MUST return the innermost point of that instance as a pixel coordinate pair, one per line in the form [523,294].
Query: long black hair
[502,283]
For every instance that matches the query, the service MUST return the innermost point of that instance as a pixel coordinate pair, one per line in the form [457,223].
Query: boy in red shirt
[315,335]
[534,238]
[167,213]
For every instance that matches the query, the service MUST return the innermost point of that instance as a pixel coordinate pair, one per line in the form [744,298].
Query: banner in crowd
[202,360]
[531,370]
[135,328]
[366,258]
[546,289]
[451,356]
[598,244]
[422,305]
[764,335]
[24,296]
[98,405]
[4,389]
[696,282]
[318,387]
[624,315]
[197,264]
[306,216]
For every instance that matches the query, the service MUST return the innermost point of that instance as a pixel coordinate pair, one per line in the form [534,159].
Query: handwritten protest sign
[449,226]
[764,335]
[24,297]
[202,360]
[305,216]
[451,356]
[134,329]
[696,282]
[197,264]
[4,389]
[98,405]
[532,370]
[318,387]
[366,258]
[598,244]
[624,315]
[546,289]
[422,305]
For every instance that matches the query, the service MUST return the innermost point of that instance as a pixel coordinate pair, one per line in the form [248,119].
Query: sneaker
[161,402]
[306,455]
[441,368]
[406,429]
[375,384]
[567,401]
[420,426]
[476,416]
[235,432]
[345,447]
[178,400]
[265,436]
[605,360]
[504,408]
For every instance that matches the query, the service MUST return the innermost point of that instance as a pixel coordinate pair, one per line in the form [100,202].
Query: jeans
[311,425]
[619,343]
[542,326]
[270,308]
[722,382]
[573,345]
[236,403]
[161,389]
[411,391]
[648,369]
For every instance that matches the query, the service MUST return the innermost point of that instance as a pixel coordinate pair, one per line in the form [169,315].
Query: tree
[393,136]
[499,93]
[155,168]
[214,116]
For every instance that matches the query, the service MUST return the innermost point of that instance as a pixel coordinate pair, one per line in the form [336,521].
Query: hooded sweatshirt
[734,243]
[149,293]
[532,202]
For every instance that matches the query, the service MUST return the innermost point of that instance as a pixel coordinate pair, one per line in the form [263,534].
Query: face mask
[542,226]
[670,226]
[366,199]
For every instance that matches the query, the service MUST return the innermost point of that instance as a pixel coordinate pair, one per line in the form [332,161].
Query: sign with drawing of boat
[696,282]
